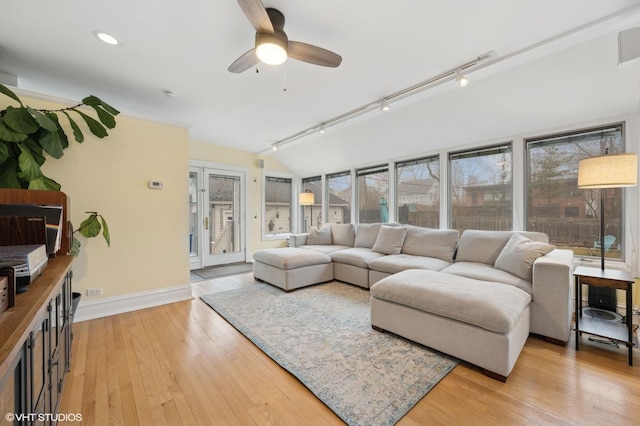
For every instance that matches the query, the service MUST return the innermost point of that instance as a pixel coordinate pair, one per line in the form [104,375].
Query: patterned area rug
[323,336]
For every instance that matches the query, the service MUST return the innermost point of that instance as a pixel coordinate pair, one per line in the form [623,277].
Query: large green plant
[28,136]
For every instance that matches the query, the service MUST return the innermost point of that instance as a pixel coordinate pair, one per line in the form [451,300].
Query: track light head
[274,146]
[322,129]
[384,105]
[461,79]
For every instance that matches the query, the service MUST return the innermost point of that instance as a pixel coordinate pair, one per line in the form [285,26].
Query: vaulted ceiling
[554,63]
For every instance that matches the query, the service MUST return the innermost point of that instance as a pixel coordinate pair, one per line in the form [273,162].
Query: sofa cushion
[401,262]
[390,239]
[325,249]
[485,246]
[290,257]
[488,305]
[320,236]
[484,272]
[366,234]
[438,243]
[343,234]
[518,255]
[356,256]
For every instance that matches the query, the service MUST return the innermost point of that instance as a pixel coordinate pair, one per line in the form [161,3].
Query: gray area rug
[323,336]
[224,270]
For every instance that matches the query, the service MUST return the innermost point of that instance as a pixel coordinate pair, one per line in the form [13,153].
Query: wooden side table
[610,330]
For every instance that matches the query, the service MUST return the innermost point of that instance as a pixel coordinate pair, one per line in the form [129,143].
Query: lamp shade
[608,171]
[306,199]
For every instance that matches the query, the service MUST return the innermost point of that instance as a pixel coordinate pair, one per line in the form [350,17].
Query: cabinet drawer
[4,294]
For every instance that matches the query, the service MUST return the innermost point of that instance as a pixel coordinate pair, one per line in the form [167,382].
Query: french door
[217,220]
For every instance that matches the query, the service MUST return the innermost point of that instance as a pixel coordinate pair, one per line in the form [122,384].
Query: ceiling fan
[272,45]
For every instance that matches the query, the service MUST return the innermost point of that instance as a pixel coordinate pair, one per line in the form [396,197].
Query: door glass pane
[193,214]
[224,214]
[418,192]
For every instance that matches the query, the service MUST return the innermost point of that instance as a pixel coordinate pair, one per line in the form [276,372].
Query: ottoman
[484,323]
[290,267]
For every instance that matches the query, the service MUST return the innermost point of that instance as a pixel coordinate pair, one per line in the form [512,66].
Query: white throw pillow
[390,239]
[319,236]
[518,255]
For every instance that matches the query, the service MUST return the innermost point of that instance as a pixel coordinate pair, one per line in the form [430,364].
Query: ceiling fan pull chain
[284,80]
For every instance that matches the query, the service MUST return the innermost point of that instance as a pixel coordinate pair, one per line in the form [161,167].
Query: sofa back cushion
[390,239]
[366,234]
[429,242]
[485,246]
[343,234]
[518,255]
[320,236]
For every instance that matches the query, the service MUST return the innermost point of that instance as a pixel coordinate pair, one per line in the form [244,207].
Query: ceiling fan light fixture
[461,79]
[271,48]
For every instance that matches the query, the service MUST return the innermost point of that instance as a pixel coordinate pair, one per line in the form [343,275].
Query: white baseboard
[132,302]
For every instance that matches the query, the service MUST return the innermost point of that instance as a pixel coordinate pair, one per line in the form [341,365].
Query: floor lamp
[307,198]
[607,171]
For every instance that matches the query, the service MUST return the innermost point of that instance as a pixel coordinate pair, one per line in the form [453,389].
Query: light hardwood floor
[183,364]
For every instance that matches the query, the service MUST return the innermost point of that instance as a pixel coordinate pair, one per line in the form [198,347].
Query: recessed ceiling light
[107,38]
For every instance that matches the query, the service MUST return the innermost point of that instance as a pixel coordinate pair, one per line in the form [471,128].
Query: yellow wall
[235,157]
[149,228]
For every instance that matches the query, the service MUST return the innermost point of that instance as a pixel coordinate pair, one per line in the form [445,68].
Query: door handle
[206,223]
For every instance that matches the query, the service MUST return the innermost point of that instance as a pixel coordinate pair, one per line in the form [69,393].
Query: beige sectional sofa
[490,271]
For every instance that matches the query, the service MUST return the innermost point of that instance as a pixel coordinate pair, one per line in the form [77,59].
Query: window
[277,205]
[555,206]
[339,197]
[480,189]
[373,195]
[418,192]
[312,214]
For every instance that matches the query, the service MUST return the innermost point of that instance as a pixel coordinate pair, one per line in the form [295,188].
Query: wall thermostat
[155,184]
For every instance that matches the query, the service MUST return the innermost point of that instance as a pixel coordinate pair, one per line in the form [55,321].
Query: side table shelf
[619,332]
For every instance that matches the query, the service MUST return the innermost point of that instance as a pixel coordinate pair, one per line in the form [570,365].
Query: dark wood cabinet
[35,342]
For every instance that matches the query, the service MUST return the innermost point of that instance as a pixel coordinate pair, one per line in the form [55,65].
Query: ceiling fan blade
[313,54]
[244,62]
[256,14]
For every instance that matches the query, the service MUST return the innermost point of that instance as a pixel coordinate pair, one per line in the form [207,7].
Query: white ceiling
[185,47]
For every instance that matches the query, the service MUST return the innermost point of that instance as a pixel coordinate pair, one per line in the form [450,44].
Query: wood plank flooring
[183,364]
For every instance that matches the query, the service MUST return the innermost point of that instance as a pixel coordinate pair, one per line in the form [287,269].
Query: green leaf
[4,90]
[105,231]
[44,183]
[90,227]
[20,120]
[105,117]
[64,141]
[95,101]
[95,127]
[51,143]
[29,167]
[77,133]
[36,150]
[8,135]
[44,121]
[4,152]
[9,174]
[75,246]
